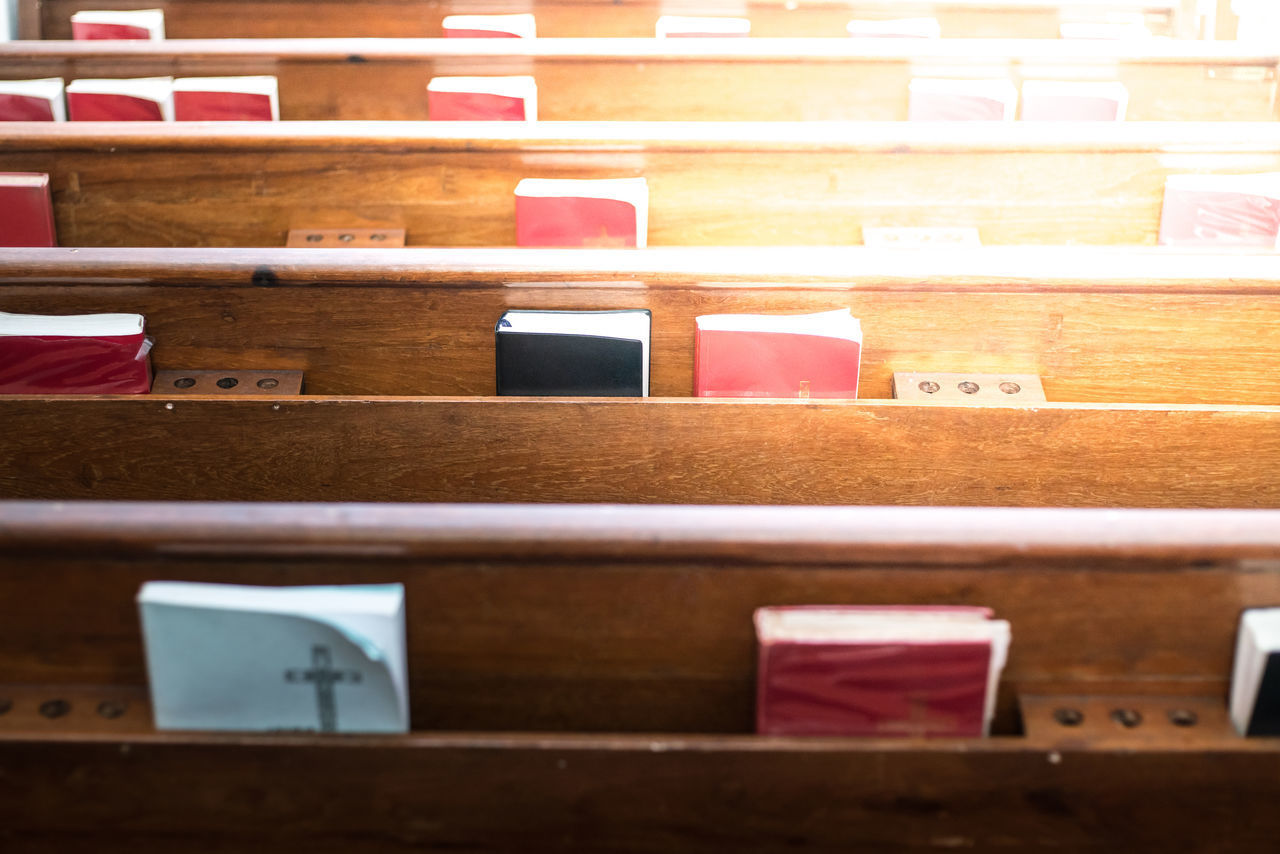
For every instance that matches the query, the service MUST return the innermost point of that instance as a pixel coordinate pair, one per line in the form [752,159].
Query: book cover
[482,99]
[573,353]
[26,210]
[141,99]
[1221,210]
[145,24]
[682,27]
[236,658]
[74,354]
[489,27]
[226,99]
[886,671]
[778,356]
[937,100]
[1062,101]
[32,100]
[568,212]
[897,28]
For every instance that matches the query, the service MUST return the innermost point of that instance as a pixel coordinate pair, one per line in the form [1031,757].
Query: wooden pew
[582,677]
[184,19]
[139,184]
[1158,367]
[650,80]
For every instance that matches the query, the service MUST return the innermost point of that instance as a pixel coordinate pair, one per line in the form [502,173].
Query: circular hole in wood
[184,382]
[929,387]
[377,237]
[5,706]
[968,387]
[228,382]
[1010,388]
[111,709]
[346,238]
[268,383]
[54,708]
[1068,717]
[1183,717]
[1127,718]
[315,238]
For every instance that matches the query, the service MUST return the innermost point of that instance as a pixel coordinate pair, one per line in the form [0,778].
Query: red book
[1221,210]
[482,99]
[144,99]
[898,28]
[1059,101]
[488,27]
[145,24]
[26,210]
[962,100]
[32,100]
[76,354]
[610,212]
[226,99]
[761,355]
[878,671]
[680,27]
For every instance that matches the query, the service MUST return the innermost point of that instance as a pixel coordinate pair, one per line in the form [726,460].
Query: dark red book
[761,355]
[145,99]
[939,100]
[878,671]
[226,99]
[32,100]
[482,99]
[76,354]
[1221,210]
[488,27]
[681,27]
[566,212]
[26,210]
[145,24]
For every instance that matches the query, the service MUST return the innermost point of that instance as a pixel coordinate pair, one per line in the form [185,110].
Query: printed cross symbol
[324,677]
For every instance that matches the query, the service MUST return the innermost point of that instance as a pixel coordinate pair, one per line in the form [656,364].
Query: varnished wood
[1153,326]
[649,80]
[710,183]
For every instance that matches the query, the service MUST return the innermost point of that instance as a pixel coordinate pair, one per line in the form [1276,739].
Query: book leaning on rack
[139,99]
[74,354]
[26,210]
[483,99]
[573,353]
[137,24]
[763,355]
[41,100]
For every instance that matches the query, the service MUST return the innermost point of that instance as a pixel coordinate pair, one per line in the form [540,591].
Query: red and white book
[897,28]
[1112,26]
[74,354]
[139,99]
[1221,210]
[765,355]
[489,27]
[33,100]
[681,27]
[575,212]
[940,100]
[920,237]
[482,99]
[1067,101]
[26,210]
[145,24]
[906,671]
[226,99]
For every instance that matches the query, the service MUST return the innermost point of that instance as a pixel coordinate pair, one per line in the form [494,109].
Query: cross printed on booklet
[324,677]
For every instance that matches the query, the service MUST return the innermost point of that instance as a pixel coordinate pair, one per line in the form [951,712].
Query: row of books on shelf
[148,24]
[141,99]
[1206,211]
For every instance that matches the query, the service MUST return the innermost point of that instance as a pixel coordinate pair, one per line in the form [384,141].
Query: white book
[522,87]
[71,325]
[675,26]
[898,28]
[238,658]
[255,86]
[838,323]
[633,191]
[937,99]
[1255,675]
[1060,100]
[156,89]
[918,237]
[521,26]
[48,90]
[151,20]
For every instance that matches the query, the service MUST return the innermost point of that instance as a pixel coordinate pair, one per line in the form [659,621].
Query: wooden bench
[710,184]
[650,80]
[50,19]
[582,677]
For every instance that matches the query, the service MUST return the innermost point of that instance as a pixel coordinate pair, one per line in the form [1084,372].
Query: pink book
[144,24]
[962,100]
[489,27]
[680,27]
[144,99]
[568,212]
[26,210]
[1221,210]
[502,99]
[76,354]
[780,356]
[226,99]
[1061,101]
[32,100]
[879,671]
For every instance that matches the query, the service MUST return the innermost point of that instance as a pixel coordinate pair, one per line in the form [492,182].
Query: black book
[573,353]
[1255,681]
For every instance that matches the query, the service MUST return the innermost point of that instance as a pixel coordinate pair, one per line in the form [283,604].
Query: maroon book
[226,99]
[574,213]
[32,100]
[78,354]
[26,210]
[145,24]
[146,99]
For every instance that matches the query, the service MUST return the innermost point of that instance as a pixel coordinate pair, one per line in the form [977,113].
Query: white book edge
[839,323]
[71,325]
[150,19]
[619,324]
[669,25]
[1112,90]
[920,28]
[261,84]
[50,89]
[24,179]
[1000,91]
[522,25]
[517,86]
[1258,638]
[633,191]
[157,89]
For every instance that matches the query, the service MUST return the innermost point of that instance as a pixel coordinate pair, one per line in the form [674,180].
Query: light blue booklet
[233,657]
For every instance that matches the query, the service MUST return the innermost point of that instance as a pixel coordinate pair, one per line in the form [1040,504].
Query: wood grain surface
[710,183]
[650,80]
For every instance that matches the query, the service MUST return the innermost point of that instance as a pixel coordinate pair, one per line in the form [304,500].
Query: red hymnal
[761,355]
[146,24]
[77,354]
[680,27]
[898,28]
[482,99]
[488,27]
[1221,210]
[145,99]
[226,99]
[879,671]
[936,100]
[1061,101]
[32,100]
[569,212]
[26,210]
